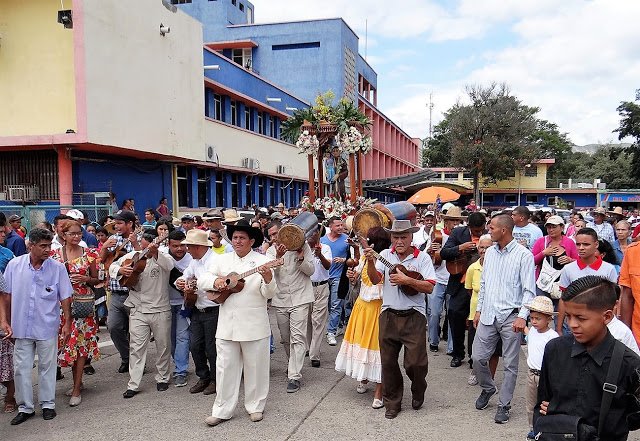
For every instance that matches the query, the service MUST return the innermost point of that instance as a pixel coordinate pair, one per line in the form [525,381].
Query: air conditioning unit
[210,154]
[23,193]
[251,163]
[282,170]
[602,186]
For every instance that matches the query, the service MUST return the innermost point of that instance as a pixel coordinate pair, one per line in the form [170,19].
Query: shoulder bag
[549,279]
[82,305]
[562,427]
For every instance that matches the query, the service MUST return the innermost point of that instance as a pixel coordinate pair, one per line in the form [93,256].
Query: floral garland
[334,207]
[352,141]
[308,144]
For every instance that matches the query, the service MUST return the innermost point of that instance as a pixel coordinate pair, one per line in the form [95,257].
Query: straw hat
[402,226]
[231,215]
[541,304]
[600,210]
[110,227]
[454,213]
[214,213]
[348,224]
[197,237]
[616,211]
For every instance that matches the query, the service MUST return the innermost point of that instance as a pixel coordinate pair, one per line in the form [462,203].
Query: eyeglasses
[68,233]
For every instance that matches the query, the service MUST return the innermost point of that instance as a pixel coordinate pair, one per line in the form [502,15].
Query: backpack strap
[609,387]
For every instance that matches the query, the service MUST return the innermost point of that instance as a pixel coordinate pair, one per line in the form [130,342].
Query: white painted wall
[232,144]
[144,91]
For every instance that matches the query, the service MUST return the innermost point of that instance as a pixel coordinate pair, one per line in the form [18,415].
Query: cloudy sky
[575,59]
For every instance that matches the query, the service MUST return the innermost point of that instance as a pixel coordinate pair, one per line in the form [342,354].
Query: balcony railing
[576,184]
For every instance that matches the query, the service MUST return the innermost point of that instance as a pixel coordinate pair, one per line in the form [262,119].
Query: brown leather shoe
[210,389]
[199,386]
[391,414]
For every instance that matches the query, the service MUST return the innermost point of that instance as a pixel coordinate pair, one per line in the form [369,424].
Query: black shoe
[59,375]
[89,370]
[502,414]
[129,393]
[48,414]
[200,386]
[315,363]
[391,414]
[124,367]
[21,418]
[293,386]
[306,354]
[161,387]
[483,400]
[417,404]
[455,362]
[433,348]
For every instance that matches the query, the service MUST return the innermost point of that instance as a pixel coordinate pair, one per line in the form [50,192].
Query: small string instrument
[138,263]
[436,237]
[189,292]
[460,264]
[119,250]
[395,268]
[235,282]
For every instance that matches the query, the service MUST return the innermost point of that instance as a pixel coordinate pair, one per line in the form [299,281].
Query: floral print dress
[6,348]
[83,341]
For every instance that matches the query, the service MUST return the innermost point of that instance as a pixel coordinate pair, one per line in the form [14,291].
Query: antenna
[430,105]
[366,35]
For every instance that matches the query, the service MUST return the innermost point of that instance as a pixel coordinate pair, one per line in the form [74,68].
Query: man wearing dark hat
[118,318]
[242,338]
[403,318]
[13,240]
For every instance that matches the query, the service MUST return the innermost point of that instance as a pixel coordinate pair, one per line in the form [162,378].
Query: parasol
[429,195]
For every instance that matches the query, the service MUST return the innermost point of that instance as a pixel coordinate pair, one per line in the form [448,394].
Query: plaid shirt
[114,285]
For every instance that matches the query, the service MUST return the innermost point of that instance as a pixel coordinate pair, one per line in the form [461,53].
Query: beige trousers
[532,395]
[140,328]
[234,357]
[292,323]
[317,325]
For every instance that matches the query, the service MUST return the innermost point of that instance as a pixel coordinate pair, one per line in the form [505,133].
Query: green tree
[437,150]
[553,144]
[630,126]
[492,136]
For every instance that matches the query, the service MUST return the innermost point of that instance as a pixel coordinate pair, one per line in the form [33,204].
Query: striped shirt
[507,283]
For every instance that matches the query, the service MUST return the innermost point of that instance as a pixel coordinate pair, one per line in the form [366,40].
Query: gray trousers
[292,323]
[317,323]
[484,344]
[118,323]
[24,353]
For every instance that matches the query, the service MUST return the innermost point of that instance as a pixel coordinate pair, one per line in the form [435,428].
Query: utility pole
[430,115]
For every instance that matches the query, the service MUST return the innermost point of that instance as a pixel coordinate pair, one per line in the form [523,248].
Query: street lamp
[520,172]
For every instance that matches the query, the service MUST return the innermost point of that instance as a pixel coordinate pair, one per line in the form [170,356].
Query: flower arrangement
[352,141]
[335,207]
[308,144]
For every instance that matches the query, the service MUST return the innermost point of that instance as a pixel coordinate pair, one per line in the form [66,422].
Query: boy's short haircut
[597,293]
[588,232]
[177,235]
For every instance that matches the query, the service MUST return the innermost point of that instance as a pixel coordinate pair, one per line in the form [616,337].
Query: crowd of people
[487,282]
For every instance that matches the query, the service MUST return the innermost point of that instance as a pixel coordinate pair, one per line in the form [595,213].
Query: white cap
[76,214]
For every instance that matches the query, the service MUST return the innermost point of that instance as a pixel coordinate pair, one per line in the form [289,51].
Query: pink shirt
[538,250]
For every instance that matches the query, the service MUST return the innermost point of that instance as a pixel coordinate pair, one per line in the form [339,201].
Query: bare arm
[627,304]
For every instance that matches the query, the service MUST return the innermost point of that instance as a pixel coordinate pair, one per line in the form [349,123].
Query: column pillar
[226,190]
[278,190]
[226,109]
[242,190]
[296,193]
[241,116]
[266,191]
[192,198]
[213,188]
[65,176]
[255,190]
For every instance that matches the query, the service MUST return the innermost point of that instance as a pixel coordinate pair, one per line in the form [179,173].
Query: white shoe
[362,388]
[70,391]
[75,401]
[377,404]
[213,421]
[472,381]
[331,339]
[256,416]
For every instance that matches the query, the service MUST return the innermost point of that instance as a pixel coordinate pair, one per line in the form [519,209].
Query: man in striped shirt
[507,284]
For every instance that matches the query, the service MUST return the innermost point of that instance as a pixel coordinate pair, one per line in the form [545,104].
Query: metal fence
[34,214]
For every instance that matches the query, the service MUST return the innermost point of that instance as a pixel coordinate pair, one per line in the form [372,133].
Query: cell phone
[2,334]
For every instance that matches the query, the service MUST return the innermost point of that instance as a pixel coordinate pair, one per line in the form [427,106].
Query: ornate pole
[352,177]
[359,167]
[320,174]
[312,180]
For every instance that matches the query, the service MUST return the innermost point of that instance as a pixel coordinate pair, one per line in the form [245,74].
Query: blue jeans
[435,303]
[180,337]
[335,305]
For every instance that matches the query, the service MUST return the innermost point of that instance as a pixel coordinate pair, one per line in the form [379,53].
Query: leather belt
[319,283]
[205,310]
[535,372]
[401,312]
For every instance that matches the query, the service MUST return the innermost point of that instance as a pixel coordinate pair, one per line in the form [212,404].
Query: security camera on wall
[65,18]
[164,29]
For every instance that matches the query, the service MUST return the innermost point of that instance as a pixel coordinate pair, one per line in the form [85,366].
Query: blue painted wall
[579,199]
[217,14]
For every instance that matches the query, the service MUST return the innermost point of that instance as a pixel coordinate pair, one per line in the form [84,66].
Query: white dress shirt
[196,269]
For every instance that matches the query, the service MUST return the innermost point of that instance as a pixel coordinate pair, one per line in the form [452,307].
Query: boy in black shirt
[574,367]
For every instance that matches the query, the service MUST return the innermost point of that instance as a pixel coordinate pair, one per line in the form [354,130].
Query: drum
[383,215]
[294,233]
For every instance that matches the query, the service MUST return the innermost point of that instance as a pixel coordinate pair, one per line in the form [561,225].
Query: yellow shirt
[472,282]
[219,250]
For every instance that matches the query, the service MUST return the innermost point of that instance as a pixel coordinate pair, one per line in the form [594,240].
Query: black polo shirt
[571,381]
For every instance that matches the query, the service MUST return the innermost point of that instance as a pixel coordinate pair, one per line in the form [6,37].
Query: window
[451,176]
[531,199]
[284,47]
[234,190]
[467,175]
[247,118]
[249,15]
[234,113]
[260,124]
[180,2]
[510,198]
[487,199]
[183,186]
[242,57]
[219,191]
[217,107]
[241,7]
[272,126]
[233,2]
[531,172]
[202,187]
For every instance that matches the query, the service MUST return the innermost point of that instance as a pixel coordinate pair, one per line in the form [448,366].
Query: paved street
[326,407]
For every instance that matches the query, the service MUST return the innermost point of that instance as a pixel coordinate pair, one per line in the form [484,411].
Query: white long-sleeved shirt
[196,269]
[293,278]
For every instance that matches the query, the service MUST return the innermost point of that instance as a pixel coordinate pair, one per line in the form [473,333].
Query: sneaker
[180,381]
[483,400]
[161,387]
[361,388]
[472,381]
[331,339]
[293,386]
[433,348]
[377,404]
[340,331]
[199,386]
[502,414]
[531,435]
[315,363]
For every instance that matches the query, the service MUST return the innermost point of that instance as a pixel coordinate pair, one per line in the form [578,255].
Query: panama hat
[402,226]
[600,210]
[454,213]
[110,227]
[231,215]
[214,213]
[243,225]
[197,237]
[617,211]
[541,304]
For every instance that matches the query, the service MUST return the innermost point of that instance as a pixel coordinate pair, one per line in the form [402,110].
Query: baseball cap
[76,214]
[125,215]
[187,217]
[14,217]
[555,220]
[429,213]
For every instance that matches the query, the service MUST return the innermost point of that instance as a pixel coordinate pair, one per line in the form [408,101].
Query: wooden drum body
[380,215]
[294,234]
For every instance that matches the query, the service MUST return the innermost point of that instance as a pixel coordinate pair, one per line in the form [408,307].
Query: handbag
[570,427]
[82,305]
[548,279]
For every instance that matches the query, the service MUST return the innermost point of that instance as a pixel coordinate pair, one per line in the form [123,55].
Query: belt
[515,311]
[120,293]
[206,310]
[319,283]
[535,372]
[401,312]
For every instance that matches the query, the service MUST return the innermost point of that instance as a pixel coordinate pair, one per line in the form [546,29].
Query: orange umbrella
[429,195]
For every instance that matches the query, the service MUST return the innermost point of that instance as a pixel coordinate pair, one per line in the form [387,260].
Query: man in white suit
[242,338]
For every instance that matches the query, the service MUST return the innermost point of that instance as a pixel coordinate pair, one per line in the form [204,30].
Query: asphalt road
[327,407]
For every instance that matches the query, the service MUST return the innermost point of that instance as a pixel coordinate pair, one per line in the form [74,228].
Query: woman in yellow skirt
[359,355]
